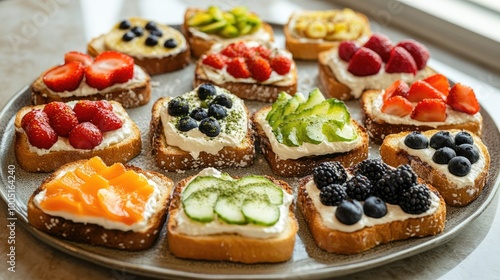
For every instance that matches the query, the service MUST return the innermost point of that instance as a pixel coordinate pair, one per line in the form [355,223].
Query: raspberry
[85,136]
[238,68]
[106,120]
[215,60]
[327,173]
[54,108]
[64,122]
[281,64]
[358,187]
[40,134]
[416,199]
[35,114]
[373,169]
[260,69]
[332,195]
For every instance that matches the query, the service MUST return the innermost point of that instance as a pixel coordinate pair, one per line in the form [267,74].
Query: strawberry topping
[238,68]
[400,61]
[262,51]
[439,82]
[462,98]
[238,49]
[84,58]
[347,50]
[418,51]
[399,87]
[397,106]
[109,68]
[85,136]
[65,77]
[281,64]
[216,60]
[380,44]
[260,68]
[40,134]
[64,122]
[420,90]
[54,108]
[85,110]
[106,120]
[365,62]
[34,115]
[430,110]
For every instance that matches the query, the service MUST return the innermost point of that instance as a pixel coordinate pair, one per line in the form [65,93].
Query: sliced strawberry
[347,50]
[63,123]
[34,115]
[215,60]
[260,68]
[398,88]
[106,120]
[85,136]
[262,51]
[238,68]
[84,58]
[462,98]
[380,44]
[397,106]
[418,51]
[430,110]
[439,82]
[65,77]
[420,90]
[238,49]
[54,108]
[40,134]
[109,68]
[365,62]
[400,61]
[281,64]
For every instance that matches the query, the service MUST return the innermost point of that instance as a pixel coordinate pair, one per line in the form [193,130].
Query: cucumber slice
[313,131]
[290,107]
[336,132]
[292,133]
[277,108]
[228,209]
[263,190]
[253,179]
[202,182]
[260,212]
[315,98]
[200,205]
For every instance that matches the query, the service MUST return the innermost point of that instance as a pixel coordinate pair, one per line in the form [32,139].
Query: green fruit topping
[260,211]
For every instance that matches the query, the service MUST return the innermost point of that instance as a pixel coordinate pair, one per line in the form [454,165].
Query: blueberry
[178,107]
[469,151]
[374,207]
[151,25]
[128,36]
[459,166]
[210,127]
[443,155]
[217,111]
[137,31]
[170,44]
[206,90]
[416,140]
[442,139]
[463,137]
[186,124]
[124,24]
[151,40]
[156,32]
[349,212]
[199,114]
[223,100]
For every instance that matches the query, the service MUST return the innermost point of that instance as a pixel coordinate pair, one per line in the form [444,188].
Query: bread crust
[172,158]
[230,247]
[335,241]
[94,234]
[304,165]
[393,155]
[379,129]
[32,162]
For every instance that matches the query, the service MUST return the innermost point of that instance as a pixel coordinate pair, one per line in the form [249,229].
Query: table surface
[28,46]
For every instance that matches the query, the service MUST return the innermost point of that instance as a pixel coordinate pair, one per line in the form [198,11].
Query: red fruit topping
[399,87]
[238,68]
[262,51]
[430,110]
[63,123]
[104,104]
[260,68]
[84,58]
[400,61]
[85,136]
[109,68]
[439,82]
[462,98]
[238,49]
[418,51]
[347,50]
[65,77]
[54,108]
[106,120]
[397,106]
[380,44]
[365,62]
[420,90]
[216,60]
[34,115]
[40,134]
[281,64]
[85,110]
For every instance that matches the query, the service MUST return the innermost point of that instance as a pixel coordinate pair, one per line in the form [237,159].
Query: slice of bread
[341,242]
[378,129]
[304,165]
[95,234]
[29,160]
[394,155]
[231,246]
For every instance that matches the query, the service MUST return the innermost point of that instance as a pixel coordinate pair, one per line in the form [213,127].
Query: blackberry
[390,185]
[327,173]
[373,169]
[332,195]
[358,187]
[349,212]
[415,200]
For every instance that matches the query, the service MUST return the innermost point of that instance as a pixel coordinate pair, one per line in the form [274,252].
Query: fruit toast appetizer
[109,76]
[351,211]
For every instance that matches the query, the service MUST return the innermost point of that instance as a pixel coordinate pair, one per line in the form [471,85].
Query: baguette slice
[378,129]
[393,155]
[29,160]
[94,234]
[230,247]
[340,242]
[304,165]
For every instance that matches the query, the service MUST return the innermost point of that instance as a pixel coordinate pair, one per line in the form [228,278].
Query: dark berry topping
[358,187]
[327,173]
[217,111]
[416,140]
[152,41]
[223,100]
[137,31]
[151,25]
[373,169]
[442,139]
[128,36]
[459,166]
[156,32]
[210,127]
[170,44]
[206,90]
[374,207]
[469,151]
[463,137]
[178,107]
[443,155]
[125,24]
[349,212]
[391,184]
[199,114]
[332,195]
[415,200]
[186,124]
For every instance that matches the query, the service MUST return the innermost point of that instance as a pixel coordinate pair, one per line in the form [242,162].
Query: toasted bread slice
[304,165]
[95,234]
[49,160]
[231,247]
[378,129]
[454,193]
